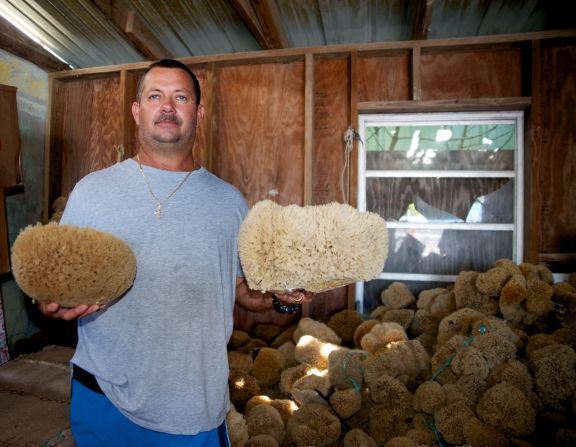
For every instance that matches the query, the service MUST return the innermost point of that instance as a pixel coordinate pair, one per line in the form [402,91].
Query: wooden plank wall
[275,122]
[85,126]
[553,169]
[472,73]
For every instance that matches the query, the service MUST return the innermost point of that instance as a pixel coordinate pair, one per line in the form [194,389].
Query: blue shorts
[96,422]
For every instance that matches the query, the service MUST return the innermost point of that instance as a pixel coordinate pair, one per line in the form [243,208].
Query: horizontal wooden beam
[422,19]
[445,105]
[250,19]
[17,43]
[134,29]
[269,19]
[285,55]
[556,257]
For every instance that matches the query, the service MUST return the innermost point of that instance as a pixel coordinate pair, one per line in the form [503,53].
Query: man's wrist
[283,308]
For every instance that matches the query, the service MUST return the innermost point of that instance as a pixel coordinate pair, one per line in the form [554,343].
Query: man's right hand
[54,310]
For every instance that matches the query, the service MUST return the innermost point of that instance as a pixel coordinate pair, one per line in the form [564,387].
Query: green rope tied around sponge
[432,426]
[347,356]
[482,330]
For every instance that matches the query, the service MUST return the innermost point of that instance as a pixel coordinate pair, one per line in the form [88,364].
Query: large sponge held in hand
[70,265]
[316,248]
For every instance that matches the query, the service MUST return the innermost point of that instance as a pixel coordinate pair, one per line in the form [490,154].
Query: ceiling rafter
[422,19]
[17,43]
[263,19]
[130,25]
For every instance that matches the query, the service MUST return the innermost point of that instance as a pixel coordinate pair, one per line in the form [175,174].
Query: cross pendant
[158,212]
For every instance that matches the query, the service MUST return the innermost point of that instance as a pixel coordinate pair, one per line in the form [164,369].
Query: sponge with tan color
[70,265]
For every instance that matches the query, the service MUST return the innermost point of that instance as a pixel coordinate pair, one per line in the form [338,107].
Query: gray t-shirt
[159,353]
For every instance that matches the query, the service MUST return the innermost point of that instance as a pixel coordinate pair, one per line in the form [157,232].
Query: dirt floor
[34,399]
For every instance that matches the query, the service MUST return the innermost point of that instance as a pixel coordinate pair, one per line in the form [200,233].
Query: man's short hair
[170,63]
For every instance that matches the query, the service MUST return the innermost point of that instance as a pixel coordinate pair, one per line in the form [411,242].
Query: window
[450,188]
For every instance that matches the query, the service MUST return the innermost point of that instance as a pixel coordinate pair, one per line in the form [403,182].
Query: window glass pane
[447,200]
[445,251]
[440,147]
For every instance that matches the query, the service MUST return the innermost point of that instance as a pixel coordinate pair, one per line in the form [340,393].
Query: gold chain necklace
[158,212]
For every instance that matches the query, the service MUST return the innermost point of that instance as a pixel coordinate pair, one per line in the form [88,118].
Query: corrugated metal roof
[89,33]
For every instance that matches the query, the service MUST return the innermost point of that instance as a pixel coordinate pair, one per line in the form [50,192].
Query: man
[151,369]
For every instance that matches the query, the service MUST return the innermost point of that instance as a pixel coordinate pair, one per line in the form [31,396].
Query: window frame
[439,118]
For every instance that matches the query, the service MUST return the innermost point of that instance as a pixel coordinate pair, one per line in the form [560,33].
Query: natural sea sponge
[358,438]
[345,323]
[429,397]
[286,407]
[403,317]
[315,380]
[267,332]
[439,302]
[345,368]
[451,419]
[268,365]
[554,369]
[460,322]
[397,296]
[261,441]
[290,375]
[70,265]
[346,402]
[391,417]
[317,329]
[382,335]
[506,408]
[242,388]
[238,339]
[313,424]
[237,429]
[265,420]
[479,434]
[406,361]
[240,360]
[491,282]
[514,291]
[314,352]
[362,330]
[316,248]
[467,295]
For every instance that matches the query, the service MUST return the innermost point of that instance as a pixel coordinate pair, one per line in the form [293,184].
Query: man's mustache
[168,117]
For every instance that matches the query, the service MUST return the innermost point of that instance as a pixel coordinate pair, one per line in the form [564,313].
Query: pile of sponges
[451,366]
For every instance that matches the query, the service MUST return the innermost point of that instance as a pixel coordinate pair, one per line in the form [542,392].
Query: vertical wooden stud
[210,117]
[416,74]
[533,236]
[308,140]
[353,177]
[308,127]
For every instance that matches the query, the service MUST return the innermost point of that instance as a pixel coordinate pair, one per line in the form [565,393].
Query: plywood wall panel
[331,119]
[261,131]
[258,121]
[89,127]
[554,149]
[260,143]
[384,77]
[463,74]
